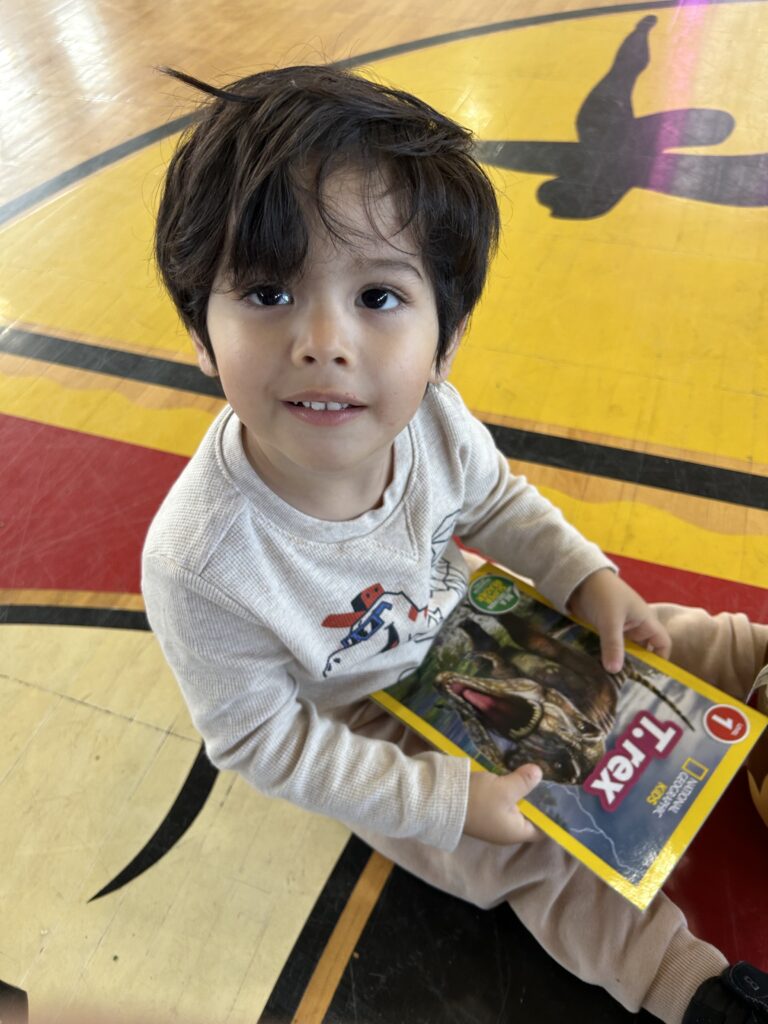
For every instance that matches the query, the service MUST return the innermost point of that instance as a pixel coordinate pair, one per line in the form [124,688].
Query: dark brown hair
[238,185]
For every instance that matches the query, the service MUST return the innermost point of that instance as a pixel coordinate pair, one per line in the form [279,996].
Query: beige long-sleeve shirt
[275,622]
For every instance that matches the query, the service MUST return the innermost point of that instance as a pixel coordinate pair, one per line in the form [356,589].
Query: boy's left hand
[615,610]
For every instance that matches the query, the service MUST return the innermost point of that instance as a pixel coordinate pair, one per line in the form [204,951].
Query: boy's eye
[379,298]
[269,295]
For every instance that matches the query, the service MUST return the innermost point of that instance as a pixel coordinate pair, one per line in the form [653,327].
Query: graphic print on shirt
[389,618]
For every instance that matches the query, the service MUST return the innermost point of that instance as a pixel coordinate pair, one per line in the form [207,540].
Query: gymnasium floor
[620,353]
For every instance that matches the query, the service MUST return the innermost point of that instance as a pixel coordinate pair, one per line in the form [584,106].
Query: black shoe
[738,996]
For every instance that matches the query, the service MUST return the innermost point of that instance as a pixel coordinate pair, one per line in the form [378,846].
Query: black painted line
[529,22]
[677,475]
[186,807]
[190,801]
[166,373]
[62,615]
[49,188]
[82,170]
[302,961]
[201,778]
[652,471]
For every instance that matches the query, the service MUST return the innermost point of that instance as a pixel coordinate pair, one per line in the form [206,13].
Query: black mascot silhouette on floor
[617,151]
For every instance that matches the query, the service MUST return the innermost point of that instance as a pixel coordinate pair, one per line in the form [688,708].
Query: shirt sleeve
[509,521]
[234,676]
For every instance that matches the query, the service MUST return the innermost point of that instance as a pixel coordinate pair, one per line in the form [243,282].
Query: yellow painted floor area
[96,744]
[642,330]
[637,329]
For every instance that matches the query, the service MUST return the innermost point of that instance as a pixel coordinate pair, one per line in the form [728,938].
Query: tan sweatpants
[647,959]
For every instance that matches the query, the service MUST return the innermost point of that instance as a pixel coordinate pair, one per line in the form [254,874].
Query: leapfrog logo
[493,594]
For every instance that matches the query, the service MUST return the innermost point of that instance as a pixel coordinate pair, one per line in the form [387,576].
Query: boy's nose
[322,338]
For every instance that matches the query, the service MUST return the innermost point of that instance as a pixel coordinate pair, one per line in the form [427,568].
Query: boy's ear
[204,360]
[438,376]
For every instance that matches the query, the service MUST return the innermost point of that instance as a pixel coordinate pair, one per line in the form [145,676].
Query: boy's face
[326,370]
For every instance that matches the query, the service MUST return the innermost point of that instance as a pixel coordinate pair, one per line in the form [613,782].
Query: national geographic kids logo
[493,594]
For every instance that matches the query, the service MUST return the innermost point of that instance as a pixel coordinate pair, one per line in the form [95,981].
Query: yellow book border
[642,892]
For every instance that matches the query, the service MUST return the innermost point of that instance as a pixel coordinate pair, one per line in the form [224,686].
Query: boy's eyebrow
[375,263]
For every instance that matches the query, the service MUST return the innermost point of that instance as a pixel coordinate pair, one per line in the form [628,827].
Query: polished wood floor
[619,354]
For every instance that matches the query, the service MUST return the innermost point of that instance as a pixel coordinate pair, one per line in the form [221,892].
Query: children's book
[633,763]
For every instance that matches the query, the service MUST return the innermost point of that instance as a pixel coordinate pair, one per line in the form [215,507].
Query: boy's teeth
[325,406]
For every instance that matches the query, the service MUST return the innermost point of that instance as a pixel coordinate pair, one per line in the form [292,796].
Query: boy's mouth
[324,410]
[325,406]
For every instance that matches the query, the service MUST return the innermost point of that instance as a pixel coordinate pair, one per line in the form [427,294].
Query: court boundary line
[48,189]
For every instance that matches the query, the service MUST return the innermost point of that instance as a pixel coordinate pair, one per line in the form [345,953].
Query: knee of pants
[484,874]
[726,650]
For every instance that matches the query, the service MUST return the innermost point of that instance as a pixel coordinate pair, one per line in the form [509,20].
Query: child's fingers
[492,811]
[520,782]
[652,635]
[526,832]
[661,641]
[612,645]
[518,785]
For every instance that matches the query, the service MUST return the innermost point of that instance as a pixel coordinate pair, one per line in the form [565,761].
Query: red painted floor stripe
[74,509]
[662,583]
[720,882]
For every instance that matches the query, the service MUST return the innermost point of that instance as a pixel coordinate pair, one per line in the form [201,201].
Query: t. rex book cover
[633,763]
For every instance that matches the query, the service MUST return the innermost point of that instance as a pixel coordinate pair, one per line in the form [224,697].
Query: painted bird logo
[617,151]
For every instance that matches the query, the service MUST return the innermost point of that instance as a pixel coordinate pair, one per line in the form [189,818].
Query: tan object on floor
[757,762]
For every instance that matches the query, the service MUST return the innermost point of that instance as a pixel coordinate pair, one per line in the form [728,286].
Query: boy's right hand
[492,812]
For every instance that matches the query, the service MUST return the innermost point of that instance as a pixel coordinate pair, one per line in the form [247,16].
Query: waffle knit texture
[275,622]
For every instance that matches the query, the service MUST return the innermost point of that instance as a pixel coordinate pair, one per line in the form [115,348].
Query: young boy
[325,240]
